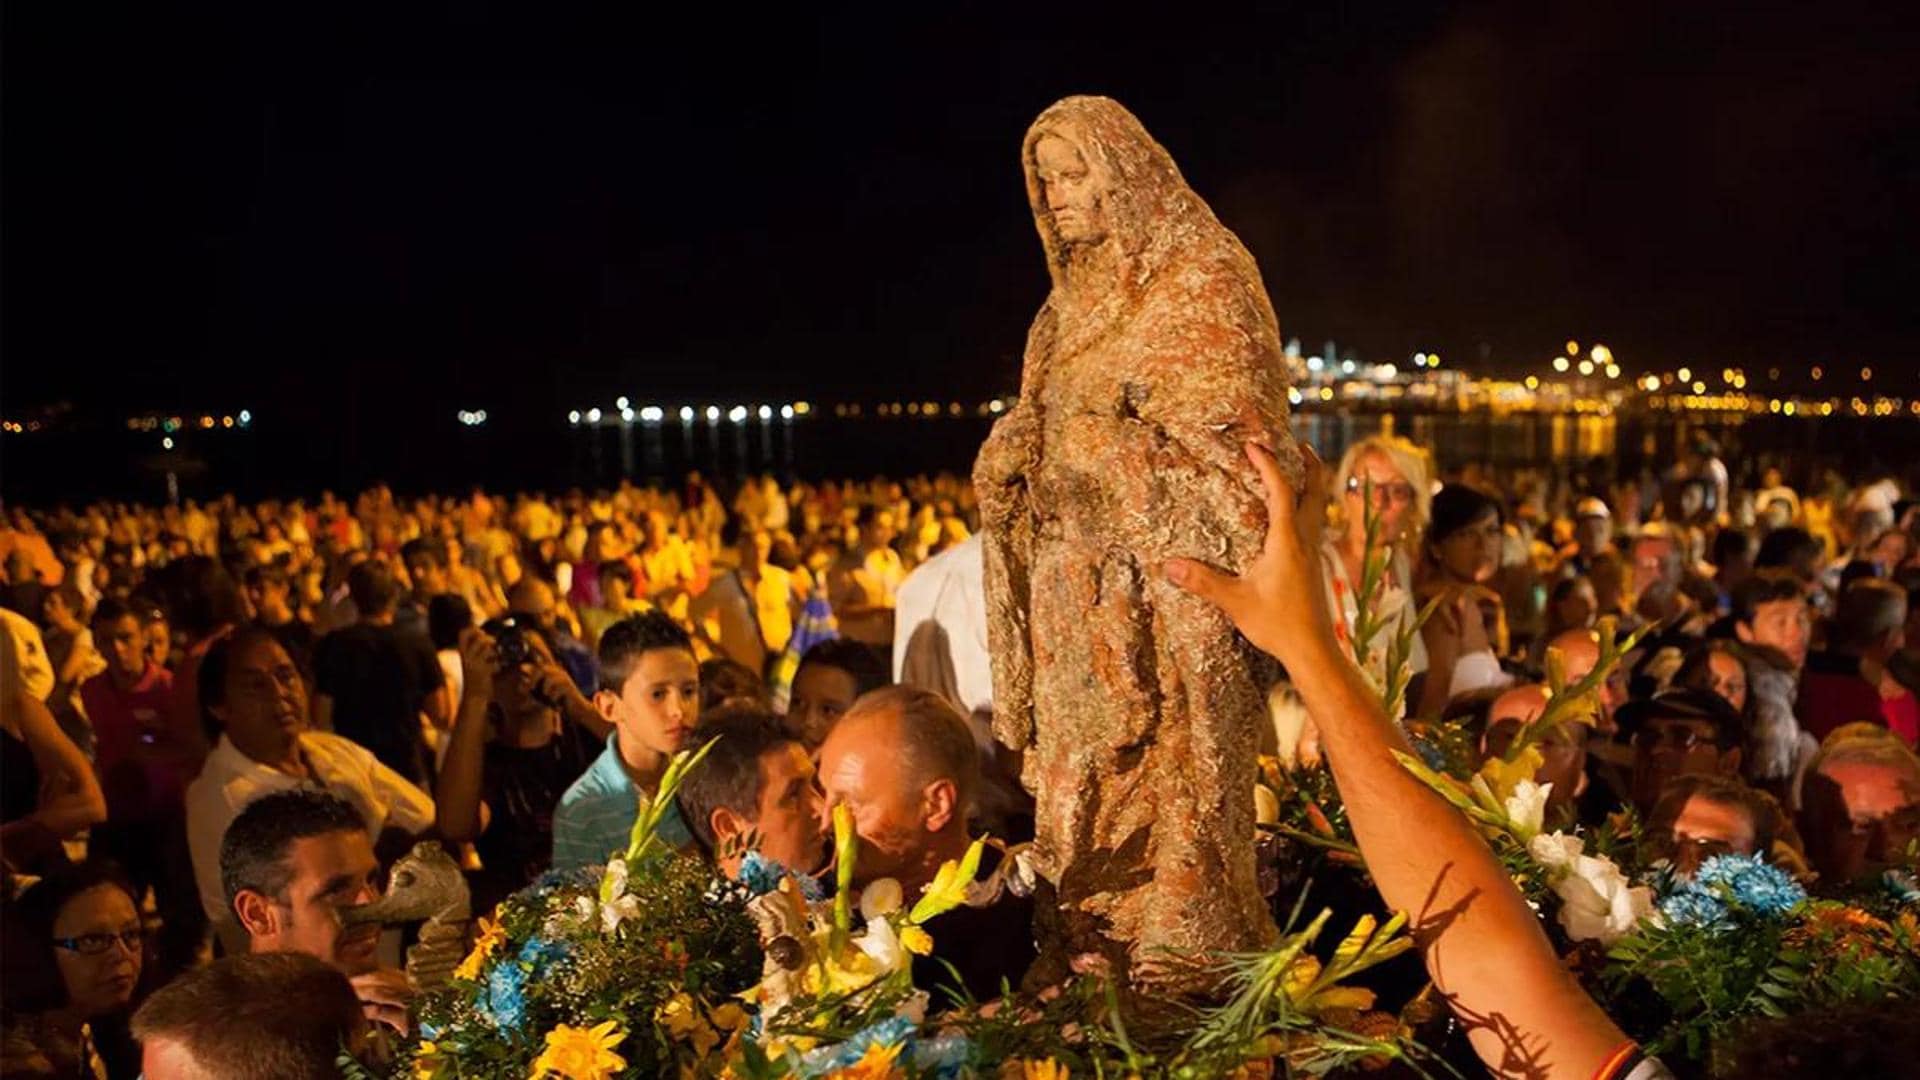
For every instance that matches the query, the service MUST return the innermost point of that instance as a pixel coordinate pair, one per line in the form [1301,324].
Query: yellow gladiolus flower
[878,1063]
[949,888]
[730,1017]
[1031,1069]
[916,940]
[582,1053]
[489,940]
[426,1061]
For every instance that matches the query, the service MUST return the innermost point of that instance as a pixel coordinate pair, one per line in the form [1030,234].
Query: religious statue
[425,886]
[1154,359]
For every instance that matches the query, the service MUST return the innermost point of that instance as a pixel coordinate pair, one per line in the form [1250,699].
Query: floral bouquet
[1740,940]
[628,970]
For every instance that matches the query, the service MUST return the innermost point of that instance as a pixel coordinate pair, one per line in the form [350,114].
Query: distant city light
[996,406]
[713,414]
[472,418]
[1419,359]
[1818,371]
[573,416]
[653,414]
[1293,396]
[786,412]
[737,414]
[1573,347]
[686,414]
[1866,374]
[1388,371]
[1560,363]
[1433,359]
[765,412]
[1347,366]
[626,413]
[593,415]
[1314,363]
[1613,371]
[166,443]
[1600,355]
[1586,367]
[1686,374]
[620,403]
[245,418]
[1533,382]
[802,408]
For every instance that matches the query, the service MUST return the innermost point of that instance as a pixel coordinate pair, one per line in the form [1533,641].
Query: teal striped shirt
[595,817]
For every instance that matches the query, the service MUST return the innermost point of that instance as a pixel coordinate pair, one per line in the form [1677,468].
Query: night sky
[432,206]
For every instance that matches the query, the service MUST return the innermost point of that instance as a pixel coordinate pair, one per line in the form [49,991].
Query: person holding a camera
[523,734]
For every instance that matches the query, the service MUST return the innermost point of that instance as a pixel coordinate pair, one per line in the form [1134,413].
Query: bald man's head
[904,763]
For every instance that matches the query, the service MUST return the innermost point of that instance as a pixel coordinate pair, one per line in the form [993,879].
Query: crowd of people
[222,721]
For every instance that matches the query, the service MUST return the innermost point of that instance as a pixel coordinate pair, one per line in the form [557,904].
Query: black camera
[511,647]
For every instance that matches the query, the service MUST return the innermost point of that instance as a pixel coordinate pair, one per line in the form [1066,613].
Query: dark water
[270,460]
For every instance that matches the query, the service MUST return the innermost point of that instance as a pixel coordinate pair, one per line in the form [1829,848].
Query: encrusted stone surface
[1154,358]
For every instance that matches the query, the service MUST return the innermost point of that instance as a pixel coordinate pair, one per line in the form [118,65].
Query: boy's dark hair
[863,662]
[109,611]
[372,587]
[729,776]
[1766,587]
[266,1016]
[253,853]
[422,548]
[447,615]
[627,640]
[723,680]
[1783,548]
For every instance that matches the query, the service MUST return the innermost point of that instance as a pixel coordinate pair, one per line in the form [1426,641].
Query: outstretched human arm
[1484,947]
[70,795]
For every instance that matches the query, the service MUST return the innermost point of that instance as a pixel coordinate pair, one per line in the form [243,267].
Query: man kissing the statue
[905,764]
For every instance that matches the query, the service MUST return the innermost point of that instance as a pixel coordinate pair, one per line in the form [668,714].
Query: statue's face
[1072,192]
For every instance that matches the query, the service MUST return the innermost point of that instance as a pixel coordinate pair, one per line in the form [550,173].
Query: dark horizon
[362,226]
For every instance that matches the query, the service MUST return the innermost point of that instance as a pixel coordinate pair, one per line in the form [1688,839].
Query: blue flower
[504,1001]
[759,874]
[1748,882]
[1903,886]
[1691,907]
[539,952]
[1435,757]
[762,875]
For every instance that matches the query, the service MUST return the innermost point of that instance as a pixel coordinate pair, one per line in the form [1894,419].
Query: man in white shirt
[253,688]
[940,633]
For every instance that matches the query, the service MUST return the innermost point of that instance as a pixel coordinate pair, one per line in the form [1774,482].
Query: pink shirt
[1903,716]
[127,725]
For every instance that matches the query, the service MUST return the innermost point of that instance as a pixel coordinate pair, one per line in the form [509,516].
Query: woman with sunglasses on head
[1391,473]
[75,950]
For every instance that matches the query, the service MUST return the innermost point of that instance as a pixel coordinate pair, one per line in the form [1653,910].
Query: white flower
[1556,850]
[616,879]
[881,898]
[1527,808]
[584,905]
[613,913]
[881,943]
[1597,903]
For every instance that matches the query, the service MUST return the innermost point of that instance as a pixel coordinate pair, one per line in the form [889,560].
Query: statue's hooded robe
[1154,359]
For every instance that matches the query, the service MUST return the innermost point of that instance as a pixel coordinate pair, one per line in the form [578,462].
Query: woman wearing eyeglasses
[1393,474]
[75,949]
